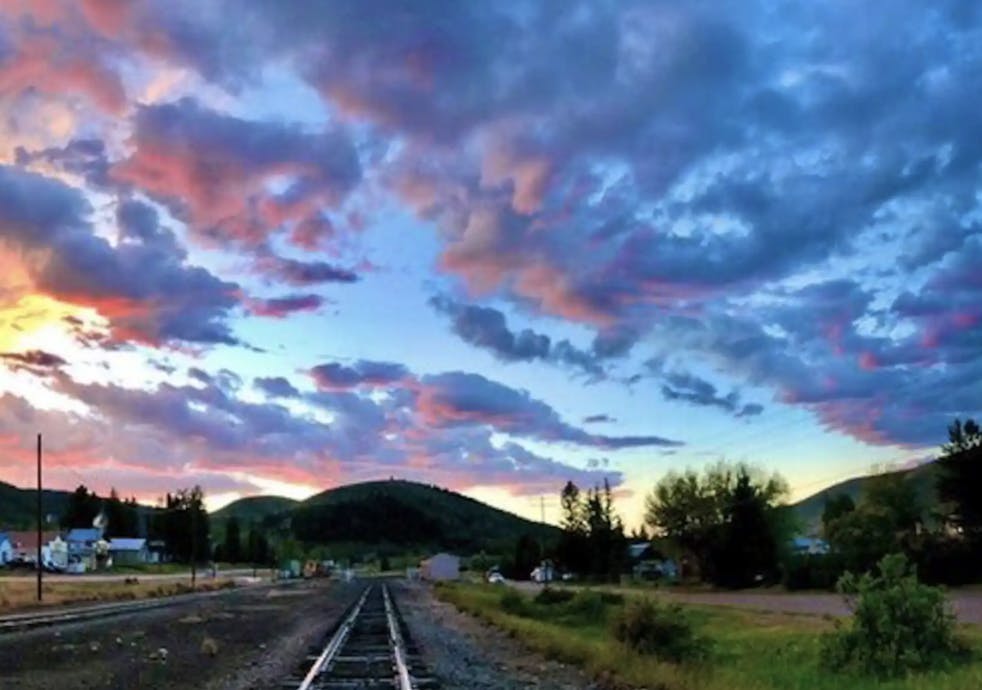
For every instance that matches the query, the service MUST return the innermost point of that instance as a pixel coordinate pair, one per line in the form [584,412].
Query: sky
[275,247]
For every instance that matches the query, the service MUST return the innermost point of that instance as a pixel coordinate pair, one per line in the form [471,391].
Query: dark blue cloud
[487,328]
[464,399]
[277,387]
[337,376]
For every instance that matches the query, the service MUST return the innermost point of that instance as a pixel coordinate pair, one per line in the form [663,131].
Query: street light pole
[40,523]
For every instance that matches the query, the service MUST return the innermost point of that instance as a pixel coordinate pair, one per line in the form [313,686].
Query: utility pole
[194,542]
[40,523]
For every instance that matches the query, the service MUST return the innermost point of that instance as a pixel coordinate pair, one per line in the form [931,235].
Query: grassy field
[20,594]
[750,650]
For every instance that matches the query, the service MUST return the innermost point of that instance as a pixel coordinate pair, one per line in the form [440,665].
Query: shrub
[898,624]
[811,571]
[514,603]
[660,631]
[549,596]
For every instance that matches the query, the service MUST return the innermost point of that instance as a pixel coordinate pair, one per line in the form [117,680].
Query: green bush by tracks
[899,625]
[662,631]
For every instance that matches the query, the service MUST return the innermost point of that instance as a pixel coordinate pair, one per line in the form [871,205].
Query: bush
[811,571]
[514,603]
[898,624]
[660,631]
[549,596]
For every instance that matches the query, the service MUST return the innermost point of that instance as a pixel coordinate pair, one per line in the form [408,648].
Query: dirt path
[247,638]
[465,654]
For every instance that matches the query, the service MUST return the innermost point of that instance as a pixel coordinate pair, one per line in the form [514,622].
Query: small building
[126,551]
[545,572]
[6,549]
[442,566]
[648,563]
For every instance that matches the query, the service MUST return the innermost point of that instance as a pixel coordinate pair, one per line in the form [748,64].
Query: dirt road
[967,604]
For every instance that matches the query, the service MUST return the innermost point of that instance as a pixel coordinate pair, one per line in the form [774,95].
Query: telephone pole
[40,569]
[194,543]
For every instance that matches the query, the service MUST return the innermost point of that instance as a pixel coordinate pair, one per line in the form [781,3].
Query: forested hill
[809,510]
[18,507]
[403,513]
[254,508]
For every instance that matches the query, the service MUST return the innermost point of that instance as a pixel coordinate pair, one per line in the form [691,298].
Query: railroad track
[369,649]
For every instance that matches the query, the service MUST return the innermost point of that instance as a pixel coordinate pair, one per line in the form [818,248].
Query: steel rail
[403,679]
[335,645]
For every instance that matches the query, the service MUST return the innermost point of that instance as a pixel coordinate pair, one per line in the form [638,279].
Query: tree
[82,508]
[962,437]
[122,516]
[232,550]
[835,508]
[528,555]
[258,545]
[690,512]
[184,526]
[959,481]
[745,551]
[886,521]
[593,542]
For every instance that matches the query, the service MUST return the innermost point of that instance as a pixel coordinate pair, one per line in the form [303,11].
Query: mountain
[18,507]
[254,508]
[809,510]
[401,514]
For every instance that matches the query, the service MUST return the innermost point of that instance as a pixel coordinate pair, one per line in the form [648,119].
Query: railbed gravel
[464,653]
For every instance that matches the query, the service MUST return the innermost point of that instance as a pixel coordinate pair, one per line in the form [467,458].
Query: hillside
[404,514]
[809,510]
[18,507]
[254,508]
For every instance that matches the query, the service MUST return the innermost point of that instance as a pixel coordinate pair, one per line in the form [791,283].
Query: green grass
[751,650]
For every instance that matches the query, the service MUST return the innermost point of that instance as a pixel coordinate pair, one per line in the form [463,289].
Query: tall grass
[750,650]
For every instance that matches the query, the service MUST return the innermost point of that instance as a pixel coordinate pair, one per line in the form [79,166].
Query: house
[125,551]
[545,572]
[442,566]
[6,549]
[648,563]
[87,546]
[25,544]
[809,545]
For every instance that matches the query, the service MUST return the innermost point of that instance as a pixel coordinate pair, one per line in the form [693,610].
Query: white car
[496,579]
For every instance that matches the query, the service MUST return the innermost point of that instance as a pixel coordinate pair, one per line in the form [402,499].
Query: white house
[6,549]
[442,566]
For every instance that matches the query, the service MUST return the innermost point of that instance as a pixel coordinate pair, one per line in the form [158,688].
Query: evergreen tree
[232,550]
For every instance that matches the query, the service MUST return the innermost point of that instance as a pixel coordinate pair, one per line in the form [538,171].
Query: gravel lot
[249,638]
[465,654]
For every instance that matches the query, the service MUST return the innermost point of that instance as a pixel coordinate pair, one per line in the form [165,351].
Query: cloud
[487,329]
[276,387]
[334,376]
[215,170]
[598,419]
[464,399]
[692,389]
[281,307]
[299,273]
[37,362]
[143,285]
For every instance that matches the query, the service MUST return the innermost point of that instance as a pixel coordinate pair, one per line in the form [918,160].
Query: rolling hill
[254,508]
[395,512]
[809,510]
[18,507]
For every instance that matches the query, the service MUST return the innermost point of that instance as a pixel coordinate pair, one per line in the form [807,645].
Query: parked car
[496,578]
